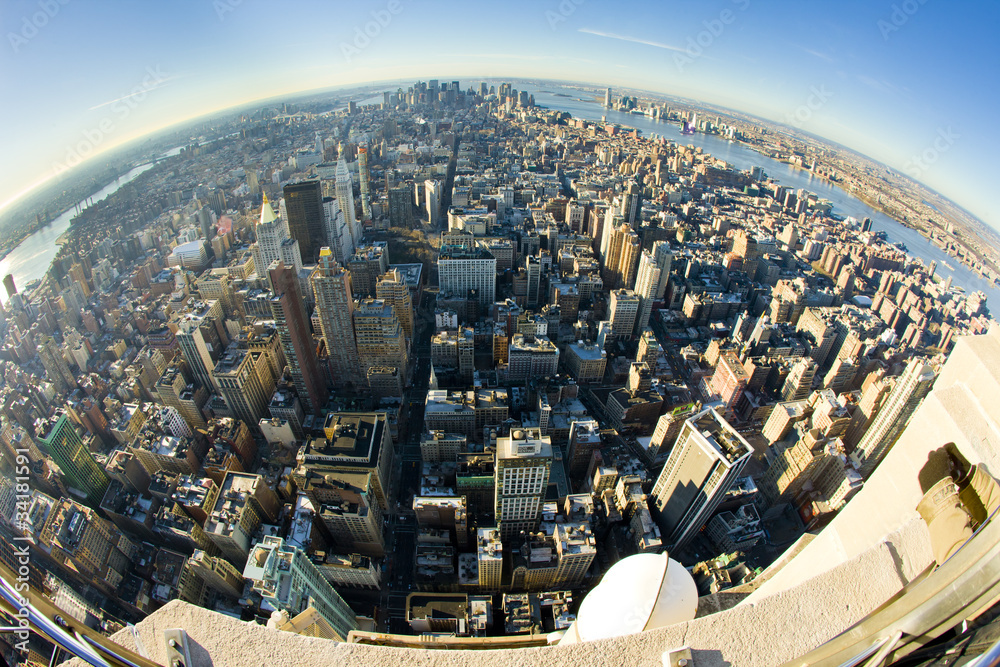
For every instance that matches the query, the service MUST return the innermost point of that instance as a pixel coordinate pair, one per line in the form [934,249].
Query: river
[31,259]
[742,157]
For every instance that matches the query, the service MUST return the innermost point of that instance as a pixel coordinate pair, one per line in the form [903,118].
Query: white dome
[641,592]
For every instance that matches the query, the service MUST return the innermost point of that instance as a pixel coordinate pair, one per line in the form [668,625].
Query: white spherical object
[641,592]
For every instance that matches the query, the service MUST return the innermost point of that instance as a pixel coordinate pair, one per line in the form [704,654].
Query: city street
[400,526]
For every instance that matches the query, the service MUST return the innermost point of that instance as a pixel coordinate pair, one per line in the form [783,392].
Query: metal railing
[963,587]
[32,612]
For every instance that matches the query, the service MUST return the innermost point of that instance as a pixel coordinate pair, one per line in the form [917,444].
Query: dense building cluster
[418,364]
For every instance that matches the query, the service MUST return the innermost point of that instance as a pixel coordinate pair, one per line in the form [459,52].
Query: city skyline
[879,80]
[534,345]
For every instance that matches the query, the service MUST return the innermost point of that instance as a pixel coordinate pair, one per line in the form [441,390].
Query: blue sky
[894,80]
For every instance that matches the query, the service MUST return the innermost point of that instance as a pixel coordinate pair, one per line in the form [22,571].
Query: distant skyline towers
[335,306]
[8,285]
[607,99]
[304,209]
[707,458]
[288,309]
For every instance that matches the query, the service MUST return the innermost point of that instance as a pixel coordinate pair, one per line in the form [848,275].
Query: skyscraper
[584,440]
[367,266]
[651,281]
[645,284]
[332,287]
[364,177]
[288,309]
[533,270]
[88,544]
[393,290]
[205,575]
[8,284]
[910,389]
[523,464]
[624,311]
[56,368]
[345,196]
[338,236]
[432,193]
[287,579]
[304,209]
[611,220]
[401,207]
[729,381]
[576,217]
[622,257]
[201,345]
[708,457]
[489,552]
[244,502]
[798,384]
[379,335]
[273,241]
[350,510]
[66,448]
[187,398]
[632,203]
[460,271]
[245,383]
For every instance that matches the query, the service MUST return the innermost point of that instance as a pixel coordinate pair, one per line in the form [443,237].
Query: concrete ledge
[760,634]
[964,408]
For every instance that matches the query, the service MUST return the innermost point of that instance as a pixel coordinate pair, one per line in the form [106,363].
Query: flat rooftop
[192,490]
[720,435]
[524,443]
[588,352]
[348,436]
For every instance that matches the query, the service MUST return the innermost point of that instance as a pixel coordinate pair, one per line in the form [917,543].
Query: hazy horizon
[889,82]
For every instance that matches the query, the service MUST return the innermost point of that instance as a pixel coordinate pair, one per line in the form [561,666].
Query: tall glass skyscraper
[304,210]
[66,448]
